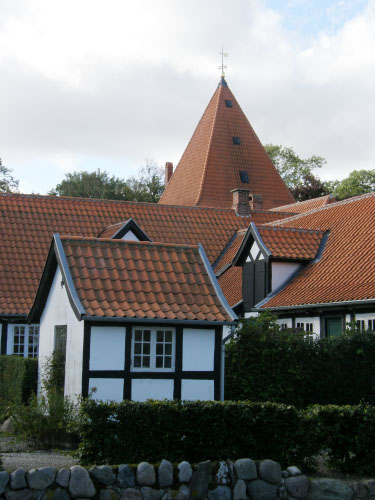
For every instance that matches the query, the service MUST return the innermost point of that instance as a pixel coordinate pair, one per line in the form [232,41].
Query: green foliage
[147,187]
[265,363]
[7,182]
[358,182]
[130,432]
[46,421]
[18,379]
[54,372]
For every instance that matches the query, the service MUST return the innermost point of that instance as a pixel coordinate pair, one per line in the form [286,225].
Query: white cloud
[83,81]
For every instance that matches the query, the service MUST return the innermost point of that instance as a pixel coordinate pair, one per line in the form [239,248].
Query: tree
[100,185]
[297,172]
[358,182]
[8,184]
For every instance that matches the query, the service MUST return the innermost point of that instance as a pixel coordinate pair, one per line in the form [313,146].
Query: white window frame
[306,326]
[10,340]
[152,367]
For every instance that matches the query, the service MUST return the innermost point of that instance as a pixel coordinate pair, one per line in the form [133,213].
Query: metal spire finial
[222,67]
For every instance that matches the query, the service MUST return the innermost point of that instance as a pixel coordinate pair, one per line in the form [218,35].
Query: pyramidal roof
[223,154]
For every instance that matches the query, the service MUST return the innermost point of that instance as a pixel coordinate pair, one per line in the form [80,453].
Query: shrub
[265,363]
[131,432]
[18,379]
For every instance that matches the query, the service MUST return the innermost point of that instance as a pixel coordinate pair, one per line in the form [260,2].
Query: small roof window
[228,103]
[236,140]
[244,177]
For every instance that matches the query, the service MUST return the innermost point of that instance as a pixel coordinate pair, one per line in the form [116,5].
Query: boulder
[8,425]
[329,489]
[222,476]
[270,471]
[4,479]
[18,479]
[103,474]
[151,493]
[261,490]
[293,471]
[108,494]
[145,474]
[39,479]
[239,490]
[220,493]
[125,477]
[62,478]
[245,469]
[19,495]
[131,494]
[165,474]
[200,480]
[60,494]
[80,483]
[297,486]
[184,472]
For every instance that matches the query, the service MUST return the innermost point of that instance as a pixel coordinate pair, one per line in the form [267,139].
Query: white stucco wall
[281,271]
[129,236]
[287,321]
[143,389]
[194,390]
[198,349]
[107,348]
[107,389]
[58,311]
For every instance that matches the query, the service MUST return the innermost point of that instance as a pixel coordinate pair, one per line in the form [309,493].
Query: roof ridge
[293,229]
[66,237]
[325,207]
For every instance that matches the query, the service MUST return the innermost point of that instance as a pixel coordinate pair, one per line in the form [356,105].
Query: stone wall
[242,480]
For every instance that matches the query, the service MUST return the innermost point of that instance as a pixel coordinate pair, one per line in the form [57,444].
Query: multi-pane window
[283,326]
[361,324]
[371,324]
[153,348]
[306,327]
[24,340]
[60,338]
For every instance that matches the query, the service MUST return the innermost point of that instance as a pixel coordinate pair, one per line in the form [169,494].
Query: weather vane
[222,67]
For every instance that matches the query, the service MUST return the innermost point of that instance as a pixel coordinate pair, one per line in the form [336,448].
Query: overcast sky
[87,84]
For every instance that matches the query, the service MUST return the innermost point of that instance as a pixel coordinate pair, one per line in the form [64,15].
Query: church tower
[225,159]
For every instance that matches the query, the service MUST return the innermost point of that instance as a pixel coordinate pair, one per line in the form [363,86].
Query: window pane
[146,335]
[168,336]
[159,336]
[159,361]
[137,361]
[159,348]
[168,349]
[167,362]
[138,335]
[146,361]
[137,348]
[146,348]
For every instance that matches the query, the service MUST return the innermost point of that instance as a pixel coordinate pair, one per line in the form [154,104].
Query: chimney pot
[241,201]
[168,172]
[255,201]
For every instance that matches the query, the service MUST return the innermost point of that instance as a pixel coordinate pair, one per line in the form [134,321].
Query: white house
[136,319]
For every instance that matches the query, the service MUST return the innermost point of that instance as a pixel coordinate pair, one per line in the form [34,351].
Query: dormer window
[236,140]
[244,176]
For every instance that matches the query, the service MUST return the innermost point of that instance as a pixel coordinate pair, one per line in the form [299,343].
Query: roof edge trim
[78,309]
[251,231]
[215,284]
[104,319]
[131,225]
[317,305]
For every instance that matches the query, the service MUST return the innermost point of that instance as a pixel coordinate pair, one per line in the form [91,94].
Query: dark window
[60,338]
[371,324]
[228,103]
[244,176]
[236,140]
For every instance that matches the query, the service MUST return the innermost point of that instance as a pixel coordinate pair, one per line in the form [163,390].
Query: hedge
[130,432]
[265,363]
[18,378]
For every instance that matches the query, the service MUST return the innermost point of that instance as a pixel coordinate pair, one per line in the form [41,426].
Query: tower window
[228,103]
[244,177]
[236,140]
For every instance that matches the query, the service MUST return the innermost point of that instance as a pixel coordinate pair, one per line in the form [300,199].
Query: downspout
[222,373]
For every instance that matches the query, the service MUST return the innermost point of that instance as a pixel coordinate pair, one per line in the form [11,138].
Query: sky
[88,84]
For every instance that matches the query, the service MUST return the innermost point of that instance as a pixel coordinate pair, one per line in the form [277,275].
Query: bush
[130,432]
[18,380]
[265,363]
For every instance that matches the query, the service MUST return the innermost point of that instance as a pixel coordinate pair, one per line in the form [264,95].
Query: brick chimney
[241,201]
[255,201]
[168,172]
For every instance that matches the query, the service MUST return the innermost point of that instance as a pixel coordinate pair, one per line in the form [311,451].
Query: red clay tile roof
[27,223]
[288,243]
[346,269]
[307,205]
[231,284]
[210,166]
[230,251]
[115,278]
